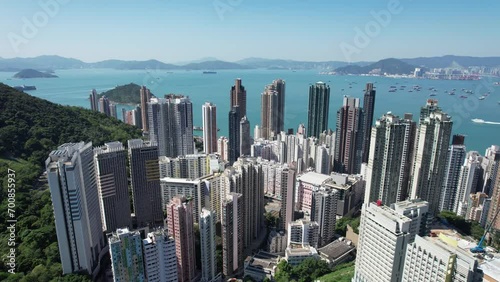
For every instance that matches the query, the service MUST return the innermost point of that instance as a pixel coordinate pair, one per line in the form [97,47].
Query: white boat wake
[478,120]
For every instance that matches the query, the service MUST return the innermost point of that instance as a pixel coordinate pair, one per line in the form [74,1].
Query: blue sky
[183,30]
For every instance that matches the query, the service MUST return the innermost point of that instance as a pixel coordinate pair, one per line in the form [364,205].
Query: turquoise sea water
[73,87]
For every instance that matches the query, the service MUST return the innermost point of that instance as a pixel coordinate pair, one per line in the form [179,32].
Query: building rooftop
[337,248]
[314,178]
[491,268]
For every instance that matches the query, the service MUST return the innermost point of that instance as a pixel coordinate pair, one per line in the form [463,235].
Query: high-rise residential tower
[111,172]
[207,242]
[389,164]
[468,182]
[431,149]
[180,227]
[127,260]
[368,110]
[145,97]
[160,260]
[285,178]
[145,178]
[238,97]
[245,139]
[319,102]
[75,199]
[171,125]
[456,158]
[234,134]
[94,100]
[279,86]
[104,105]
[349,137]
[209,116]
[272,110]
[324,212]
[232,234]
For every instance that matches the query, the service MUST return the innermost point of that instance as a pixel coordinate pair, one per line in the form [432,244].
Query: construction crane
[479,248]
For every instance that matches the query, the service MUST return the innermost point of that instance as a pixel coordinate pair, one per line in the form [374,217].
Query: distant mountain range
[389,66]
[43,63]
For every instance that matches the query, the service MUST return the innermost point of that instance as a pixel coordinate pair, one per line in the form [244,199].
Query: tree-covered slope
[29,129]
[124,94]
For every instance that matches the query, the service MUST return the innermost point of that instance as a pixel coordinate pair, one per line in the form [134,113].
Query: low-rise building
[297,253]
[261,265]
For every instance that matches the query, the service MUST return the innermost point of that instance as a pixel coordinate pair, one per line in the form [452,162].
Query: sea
[74,86]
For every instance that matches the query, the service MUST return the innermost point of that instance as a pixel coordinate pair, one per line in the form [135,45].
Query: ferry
[209,72]
[482,98]
[478,120]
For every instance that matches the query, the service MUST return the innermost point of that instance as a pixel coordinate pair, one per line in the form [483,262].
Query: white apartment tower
[75,198]
[207,241]
[160,261]
[383,238]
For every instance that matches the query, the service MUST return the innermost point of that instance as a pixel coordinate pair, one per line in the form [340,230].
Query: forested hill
[124,94]
[30,128]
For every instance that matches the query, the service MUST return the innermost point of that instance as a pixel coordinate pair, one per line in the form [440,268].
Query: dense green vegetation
[342,273]
[341,225]
[466,227]
[29,129]
[307,271]
[124,94]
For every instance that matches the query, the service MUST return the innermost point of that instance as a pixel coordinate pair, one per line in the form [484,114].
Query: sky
[184,30]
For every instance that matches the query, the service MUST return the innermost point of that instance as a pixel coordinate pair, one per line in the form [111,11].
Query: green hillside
[124,94]
[29,129]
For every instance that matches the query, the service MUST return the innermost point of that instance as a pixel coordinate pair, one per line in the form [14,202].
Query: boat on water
[432,95]
[392,90]
[478,120]
[482,98]
[25,87]
[463,97]
[209,72]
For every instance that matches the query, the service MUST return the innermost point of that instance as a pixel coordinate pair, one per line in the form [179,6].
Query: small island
[31,73]
[124,94]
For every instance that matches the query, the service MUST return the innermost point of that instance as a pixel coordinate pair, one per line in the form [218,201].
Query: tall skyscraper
[389,164]
[368,110]
[456,157]
[111,172]
[232,234]
[180,226]
[349,137]
[94,100]
[234,134]
[245,139]
[429,163]
[324,212]
[209,116]
[468,182]
[323,160]
[319,102]
[279,86]
[251,187]
[73,189]
[494,206]
[127,260]
[272,113]
[171,125]
[285,178]
[269,113]
[384,234]
[238,97]
[145,175]
[145,97]
[160,261]
[104,105]
[207,242]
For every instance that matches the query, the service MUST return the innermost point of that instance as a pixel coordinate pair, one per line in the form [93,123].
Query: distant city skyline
[176,31]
